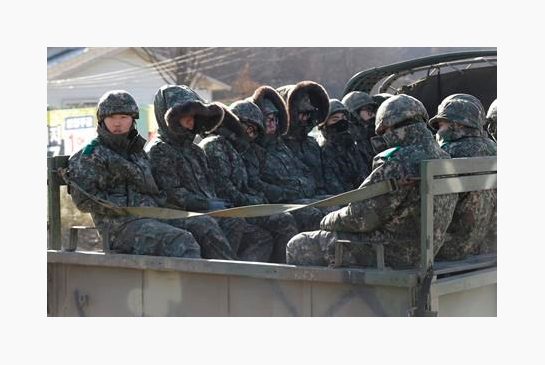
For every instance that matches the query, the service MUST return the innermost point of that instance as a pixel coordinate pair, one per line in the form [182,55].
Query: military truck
[85,283]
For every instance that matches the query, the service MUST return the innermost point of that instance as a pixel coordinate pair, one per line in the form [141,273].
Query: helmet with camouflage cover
[116,102]
[472,99]
[492,114]
[248,112]
[355,100]
[335,106]
[397,110]
[460,110]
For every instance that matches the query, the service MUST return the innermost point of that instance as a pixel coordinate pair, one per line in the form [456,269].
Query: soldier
[402,141]
[278,166]
[224,150]
[492,117]
[344,167]
[308,105]
[114,168]
[459,124]
[181,170]
[362,110]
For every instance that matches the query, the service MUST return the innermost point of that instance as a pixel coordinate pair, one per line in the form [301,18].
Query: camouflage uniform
[279,168]
[344,167]
[225,151]
[362,131]
[181,170]
[474,218]
[306,96]
[115,168]
[394,218]
[492,118]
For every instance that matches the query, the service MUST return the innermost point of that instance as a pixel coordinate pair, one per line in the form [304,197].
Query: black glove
[218,204]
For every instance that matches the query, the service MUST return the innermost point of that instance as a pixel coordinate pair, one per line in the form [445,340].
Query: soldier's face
[367,113]
[335,118]
[187,122]
[443,126]
[251,130]
[118,123]
[271,123]
[304,118]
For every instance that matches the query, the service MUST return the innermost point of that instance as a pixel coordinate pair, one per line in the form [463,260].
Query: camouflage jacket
[115,169]
[363,146]
[181,170]
[230,174]
[394,218]
[475,214]
[344,168]
[309,153]
[281,168]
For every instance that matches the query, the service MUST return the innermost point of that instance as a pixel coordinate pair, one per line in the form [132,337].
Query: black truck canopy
[432,78]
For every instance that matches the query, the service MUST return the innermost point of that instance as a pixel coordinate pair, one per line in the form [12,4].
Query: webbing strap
[260,210]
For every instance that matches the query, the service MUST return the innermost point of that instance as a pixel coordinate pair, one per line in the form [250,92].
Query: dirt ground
[89,239]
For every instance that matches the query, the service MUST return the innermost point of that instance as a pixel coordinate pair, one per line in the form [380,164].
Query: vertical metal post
[426,218]
[53,206]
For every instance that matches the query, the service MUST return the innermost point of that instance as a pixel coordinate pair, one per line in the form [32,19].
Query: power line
[145,74]
[105,75]
[132,79]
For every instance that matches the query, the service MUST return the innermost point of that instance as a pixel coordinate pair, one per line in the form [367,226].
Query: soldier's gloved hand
[196,203]
[254,200]
[218,204]
[274,194]
[329,222]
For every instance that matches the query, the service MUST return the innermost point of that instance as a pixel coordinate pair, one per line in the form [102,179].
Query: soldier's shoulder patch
[87,150]
[388,153]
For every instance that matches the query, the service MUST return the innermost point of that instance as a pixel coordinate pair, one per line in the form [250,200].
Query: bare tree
[176,65]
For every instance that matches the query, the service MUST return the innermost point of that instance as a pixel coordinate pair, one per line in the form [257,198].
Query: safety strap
[260,210]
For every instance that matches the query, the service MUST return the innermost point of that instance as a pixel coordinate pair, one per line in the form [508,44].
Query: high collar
[124,144]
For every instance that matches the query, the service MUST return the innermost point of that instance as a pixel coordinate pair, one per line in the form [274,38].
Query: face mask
[379,144]
[445,135]
[370,127]
[339,127]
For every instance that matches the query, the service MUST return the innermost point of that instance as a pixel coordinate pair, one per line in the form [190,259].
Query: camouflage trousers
[154,237]
[473,226]
[282,228]
[308,219]
[249,241]
[209,235]
[317,248]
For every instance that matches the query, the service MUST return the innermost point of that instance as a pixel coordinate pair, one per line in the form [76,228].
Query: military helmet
[335,106]
[398,109]
[472,99]
[269,107]
[492,114]
[458,110]
[248,112]
[355,100]
[116,102]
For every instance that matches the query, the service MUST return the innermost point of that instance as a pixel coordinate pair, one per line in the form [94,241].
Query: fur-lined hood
[318,98]
[171,102]
[267,92]
[231,122]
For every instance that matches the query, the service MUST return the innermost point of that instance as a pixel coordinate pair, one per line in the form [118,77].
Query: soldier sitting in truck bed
[459,123]
[113,170]
[181,170]
[402,141]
